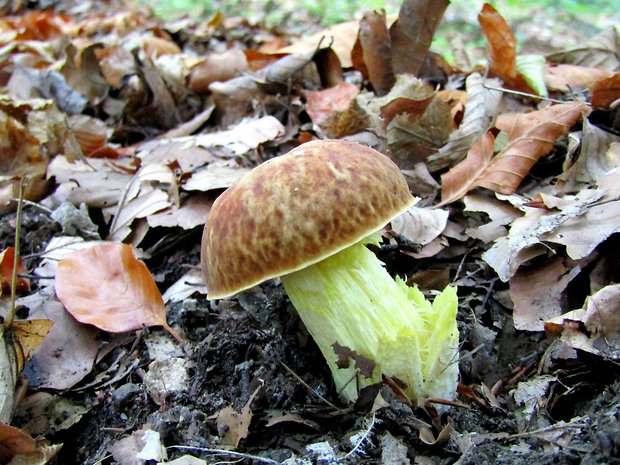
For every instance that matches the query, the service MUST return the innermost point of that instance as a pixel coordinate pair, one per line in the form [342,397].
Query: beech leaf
[413,33]
[530,137]
[601,51]
[480,112]
[502,49]
[108,287]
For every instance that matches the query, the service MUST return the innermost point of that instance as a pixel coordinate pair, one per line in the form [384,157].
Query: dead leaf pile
[126,128]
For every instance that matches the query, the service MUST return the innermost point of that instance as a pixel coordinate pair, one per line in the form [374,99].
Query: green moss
[349,299]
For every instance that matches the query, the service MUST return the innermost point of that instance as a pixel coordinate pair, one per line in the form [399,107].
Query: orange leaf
[321,103]
[606,91]
[463,176]
[108,287]
[531,136]
[376,52]
[7,258]
[15,442]
[502,49]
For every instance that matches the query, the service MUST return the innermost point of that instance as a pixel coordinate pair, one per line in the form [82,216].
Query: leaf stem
[10,318]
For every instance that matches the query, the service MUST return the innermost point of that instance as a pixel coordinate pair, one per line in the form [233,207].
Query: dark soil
[257,341]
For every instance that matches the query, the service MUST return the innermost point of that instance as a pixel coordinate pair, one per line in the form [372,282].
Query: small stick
[232,453]
[10,318]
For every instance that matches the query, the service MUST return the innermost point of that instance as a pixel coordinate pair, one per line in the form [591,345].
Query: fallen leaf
[413,32]
[605,91]
[217,67]
[374,58]
[595,159]
[192,212]
[67,353]
[412,139]
[126,297]
[214,176]
[594,328]
[531,136]
[190,283]
[44,413]
[538,293]
[420,225]
[7,260]
[321,103]
[153,448]
[18,447]
[532,68]
[235,426]
[568,78]
[501,214]
[582,234]
[462,177]
[481,109]
[502,49]
[601,51]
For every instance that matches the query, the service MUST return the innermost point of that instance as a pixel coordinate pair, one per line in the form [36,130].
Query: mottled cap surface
[297,209]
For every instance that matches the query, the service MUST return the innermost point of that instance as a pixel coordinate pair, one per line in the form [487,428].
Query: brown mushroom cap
[297,209]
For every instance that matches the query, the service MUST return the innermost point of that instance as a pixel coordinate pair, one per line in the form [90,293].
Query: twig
[285,366]
[232,453]
[523,94]
[10,318]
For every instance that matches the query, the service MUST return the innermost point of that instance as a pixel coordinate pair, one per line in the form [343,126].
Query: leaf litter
[126,129]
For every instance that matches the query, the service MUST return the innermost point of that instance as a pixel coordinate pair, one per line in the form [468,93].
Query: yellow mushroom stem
[349,301]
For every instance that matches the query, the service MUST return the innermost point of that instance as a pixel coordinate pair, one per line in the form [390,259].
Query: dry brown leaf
[236,425]
[531,136]
[23,449]
[538,293]
[462,177]
[605,91]
[412,139]
[68,352]
[568,78]
[108,287]
[372,54]
[596,327]
[595,157]
[7,258]
[502,49]
[321,103]
[217,67]
[601,51]
[413,33]
[480,112]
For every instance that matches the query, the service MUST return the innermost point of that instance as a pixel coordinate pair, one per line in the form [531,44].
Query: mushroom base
[368,325]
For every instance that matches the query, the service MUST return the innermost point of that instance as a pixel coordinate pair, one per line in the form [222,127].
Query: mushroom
[307,217]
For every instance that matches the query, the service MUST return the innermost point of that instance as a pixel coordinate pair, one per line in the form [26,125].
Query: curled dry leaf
[568,78]
[606,91]
[601,51]
[502,49]
[480,112]
[372,54]
[22,448]
[108,287]
[7,260]
[531,136]
[321,103]
[596,327]
[413,33]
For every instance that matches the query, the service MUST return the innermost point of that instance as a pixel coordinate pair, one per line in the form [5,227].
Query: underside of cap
[297,209]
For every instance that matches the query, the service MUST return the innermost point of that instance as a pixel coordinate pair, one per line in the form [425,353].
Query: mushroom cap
[297,209]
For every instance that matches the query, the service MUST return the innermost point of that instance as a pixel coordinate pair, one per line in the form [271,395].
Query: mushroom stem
[349,302]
